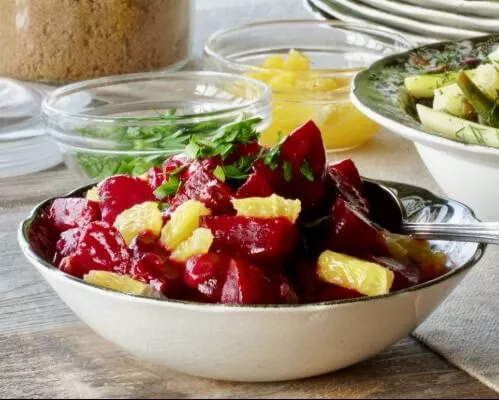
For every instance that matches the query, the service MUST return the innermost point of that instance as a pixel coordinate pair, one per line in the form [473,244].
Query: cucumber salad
[462,104]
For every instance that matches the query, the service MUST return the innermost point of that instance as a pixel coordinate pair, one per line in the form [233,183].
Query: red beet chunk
[255,186]
[287,293]
[336,293]
[405,275]
[248,284]
[206,164]
[119,193]
[68,213]
[243,150]
[349,232]
[150,265]
[348,182]
[100,247]
[175,162]
[305,280]
[265,240]
[43,237]
[207,273]
[304,151]
[67,244]
[204,187]
[155,177]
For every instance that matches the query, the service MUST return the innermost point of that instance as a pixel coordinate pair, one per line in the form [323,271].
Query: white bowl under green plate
[265,343]
[464,171]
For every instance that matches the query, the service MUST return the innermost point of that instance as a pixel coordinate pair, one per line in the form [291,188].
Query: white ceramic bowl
[262,343]
[465,172]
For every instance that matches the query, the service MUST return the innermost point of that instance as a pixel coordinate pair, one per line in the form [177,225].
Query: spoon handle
[485,232]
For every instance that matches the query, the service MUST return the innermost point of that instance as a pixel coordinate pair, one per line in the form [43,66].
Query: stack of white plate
[24,147]
[424,21]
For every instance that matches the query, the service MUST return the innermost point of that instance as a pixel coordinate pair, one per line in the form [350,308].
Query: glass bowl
[317,90]
[125,124]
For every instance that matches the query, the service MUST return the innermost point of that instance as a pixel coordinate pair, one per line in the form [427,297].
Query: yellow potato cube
[283,82]
[349,272]
[121,283]
[183,222]
[198,243]
[312,84]
[93,194]
[140,218]
[297,61]
[260,76]
[276,62]
[268,207]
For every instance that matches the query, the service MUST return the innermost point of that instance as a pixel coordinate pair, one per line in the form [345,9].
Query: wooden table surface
[46,352]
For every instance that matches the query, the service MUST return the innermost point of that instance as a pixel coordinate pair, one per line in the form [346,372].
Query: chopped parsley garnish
[178,170]
[169,188]
[168,135]
[272,158]
[240,169]
[219,173]
[223,142]
[164,206]
[288,171]
[306,171]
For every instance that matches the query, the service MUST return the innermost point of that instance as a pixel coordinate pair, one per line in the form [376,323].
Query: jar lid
[20,115]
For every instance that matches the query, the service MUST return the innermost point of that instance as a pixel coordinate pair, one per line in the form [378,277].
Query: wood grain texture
[73,361]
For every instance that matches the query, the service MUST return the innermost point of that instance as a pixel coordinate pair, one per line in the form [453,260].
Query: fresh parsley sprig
[171,186]
[223,142]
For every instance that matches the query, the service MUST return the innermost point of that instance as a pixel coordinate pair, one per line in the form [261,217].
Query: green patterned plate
[379,90]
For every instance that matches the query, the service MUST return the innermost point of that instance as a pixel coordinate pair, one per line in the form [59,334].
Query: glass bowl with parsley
[127,124]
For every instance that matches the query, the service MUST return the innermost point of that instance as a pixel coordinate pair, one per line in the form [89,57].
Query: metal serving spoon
[389,213]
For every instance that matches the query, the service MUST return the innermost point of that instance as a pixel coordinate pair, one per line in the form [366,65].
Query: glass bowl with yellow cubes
[309,65]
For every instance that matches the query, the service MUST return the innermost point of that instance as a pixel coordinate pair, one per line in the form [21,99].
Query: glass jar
[59,41]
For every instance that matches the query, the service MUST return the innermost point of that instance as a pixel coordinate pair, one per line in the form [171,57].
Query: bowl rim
[31,255]
[408,132]
[52,113]
[345,72]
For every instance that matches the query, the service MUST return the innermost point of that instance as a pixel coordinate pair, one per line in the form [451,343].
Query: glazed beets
[336,293]
[261,240]
[120,192]
[150,264]
[67,244]
[207,274]
[43,236]
[348,182]
[405,275]
[204,187]
[349,232]
[100,248]
[304,150]
[155,177]
[68,213]
[255,186]
[248,284]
